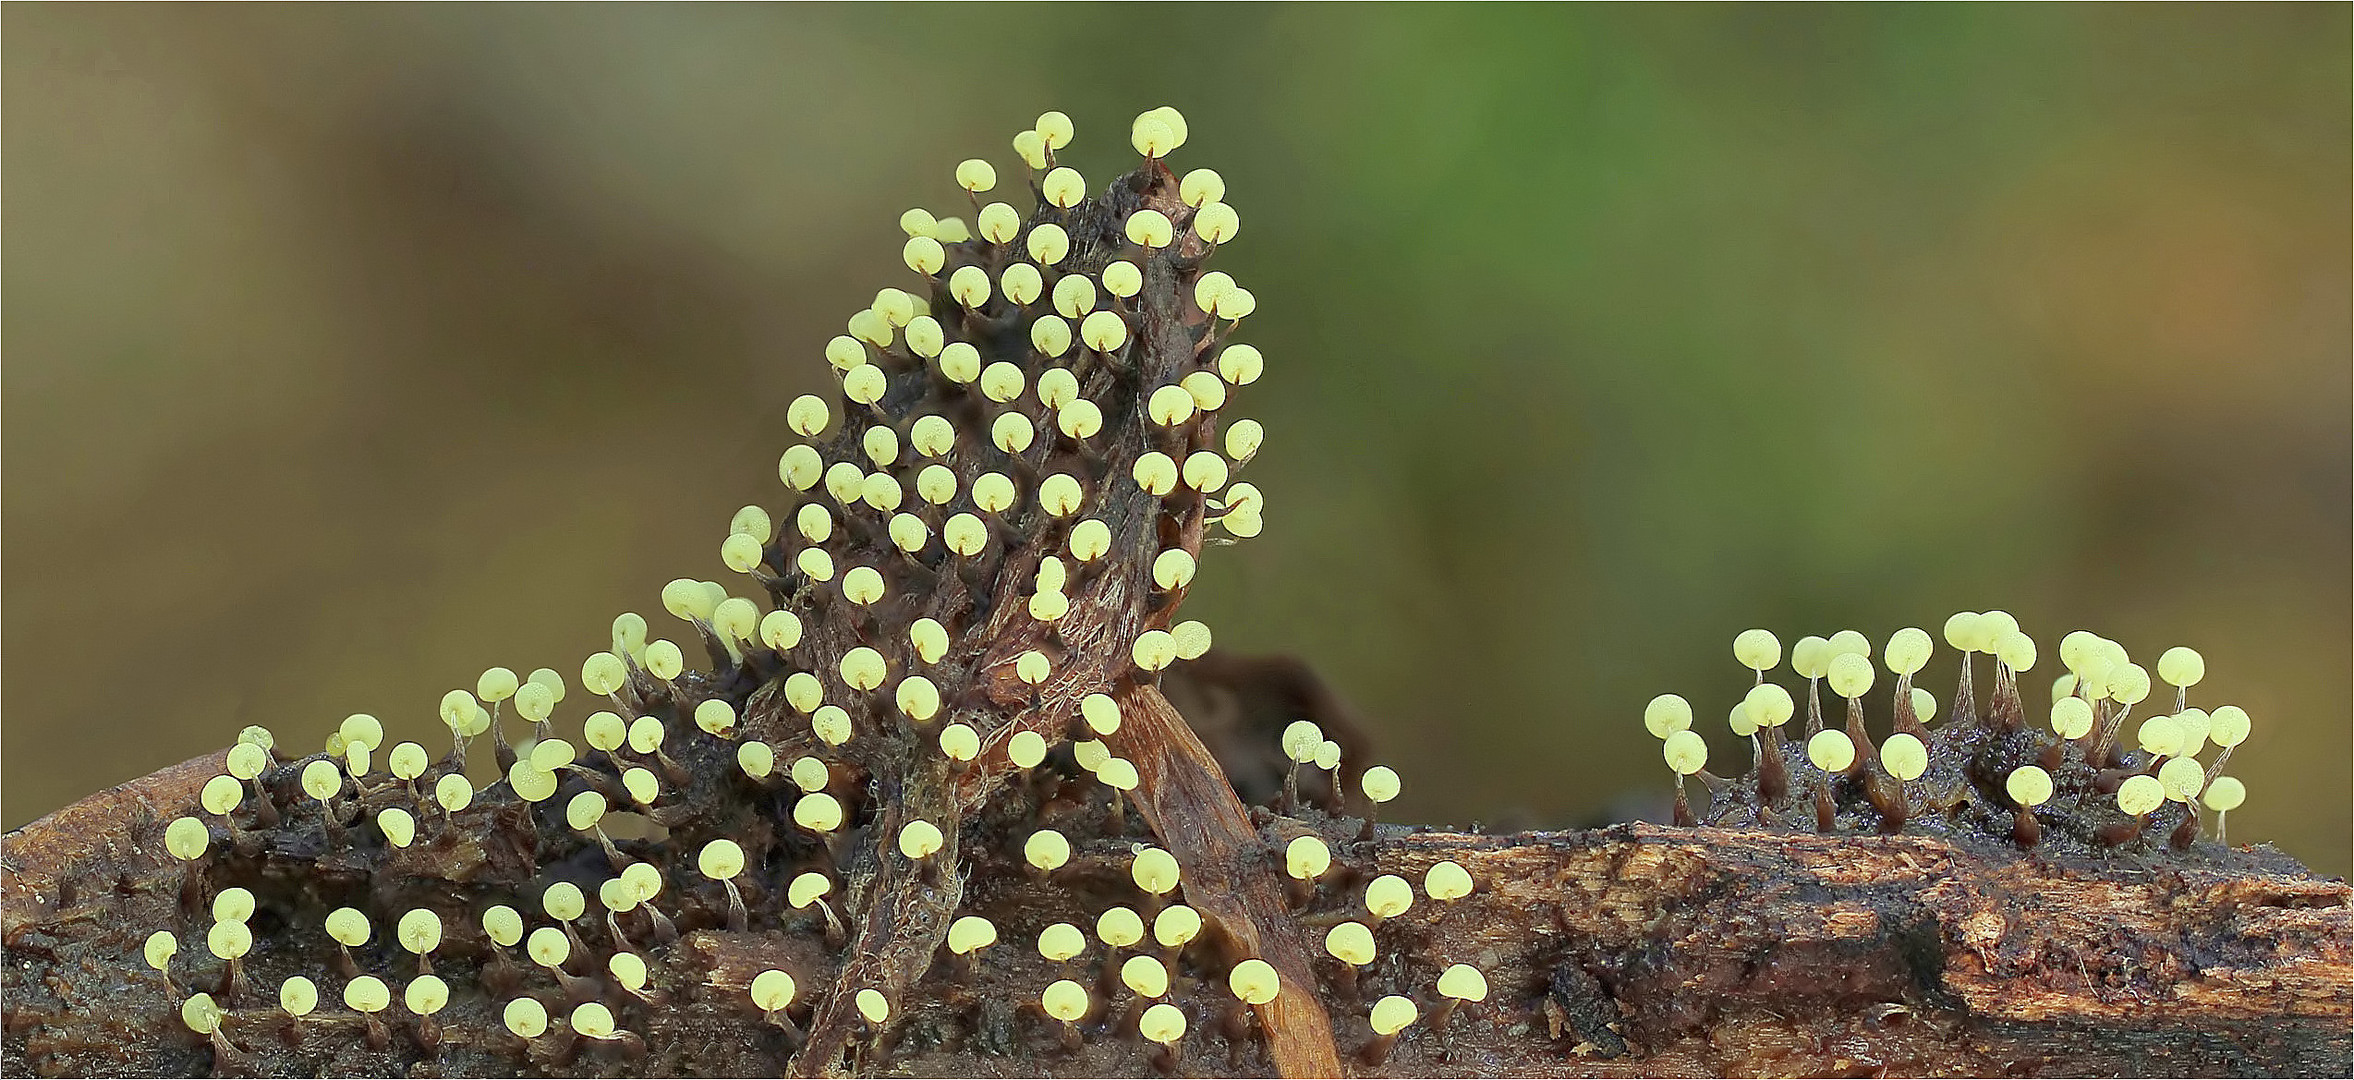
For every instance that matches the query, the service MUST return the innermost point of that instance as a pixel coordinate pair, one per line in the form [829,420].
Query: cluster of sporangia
[2075,780]
[988,528]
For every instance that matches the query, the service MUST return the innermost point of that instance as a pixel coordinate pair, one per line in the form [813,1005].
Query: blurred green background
[350,350]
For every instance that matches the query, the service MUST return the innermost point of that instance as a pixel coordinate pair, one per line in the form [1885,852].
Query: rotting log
[1629,950]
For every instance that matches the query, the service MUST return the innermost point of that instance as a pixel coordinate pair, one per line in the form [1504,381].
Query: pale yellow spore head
[1831,751]
[1685,752]
[919,839]
[2071,718]
[1388,896]
[1447,880]
[525,1018]
[1392,1014]
[1850,675]
[1155,871]
[772,990]
[1254,982]
[1307,858]
[2140,795]
[1350,943]
[1145,976]
[970,934]
[1904,756]
[1065,1000]
[2228,726]
[1758,650]
[1463,982]
[1908,651]
[1769,705]
[1176,926]
[2182,666]
[1163,1023]
[1046,849]
[2028,785]
[1061,941]
[1119,927]
[960,742]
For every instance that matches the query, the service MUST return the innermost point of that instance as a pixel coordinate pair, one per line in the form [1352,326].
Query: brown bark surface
[1632,950]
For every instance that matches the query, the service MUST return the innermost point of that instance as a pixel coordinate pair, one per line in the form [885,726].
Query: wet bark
[1631,950]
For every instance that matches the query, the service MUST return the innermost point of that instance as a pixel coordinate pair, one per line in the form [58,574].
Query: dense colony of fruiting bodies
[965,593]
[947,688]
[2093,777]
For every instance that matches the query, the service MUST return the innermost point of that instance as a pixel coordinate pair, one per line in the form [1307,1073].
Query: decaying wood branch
[1632,950]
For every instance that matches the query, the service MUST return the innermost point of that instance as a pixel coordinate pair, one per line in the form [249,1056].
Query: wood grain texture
[1631,950]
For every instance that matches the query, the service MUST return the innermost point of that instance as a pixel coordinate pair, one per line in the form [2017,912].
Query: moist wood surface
[1632,950]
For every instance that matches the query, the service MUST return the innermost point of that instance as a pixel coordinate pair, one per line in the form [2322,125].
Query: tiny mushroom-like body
[1066,1001]
[1163,1023]
[1307,858]
[1046,849]
[1391,1014]
[1061,941]
[1351,943]
[1463,982]
[971,933]
[1666,715]
[1254,982]
[1119,927]
[1446,881]
[1155,871]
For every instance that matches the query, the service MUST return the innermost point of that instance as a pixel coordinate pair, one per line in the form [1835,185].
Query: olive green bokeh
[350,350]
